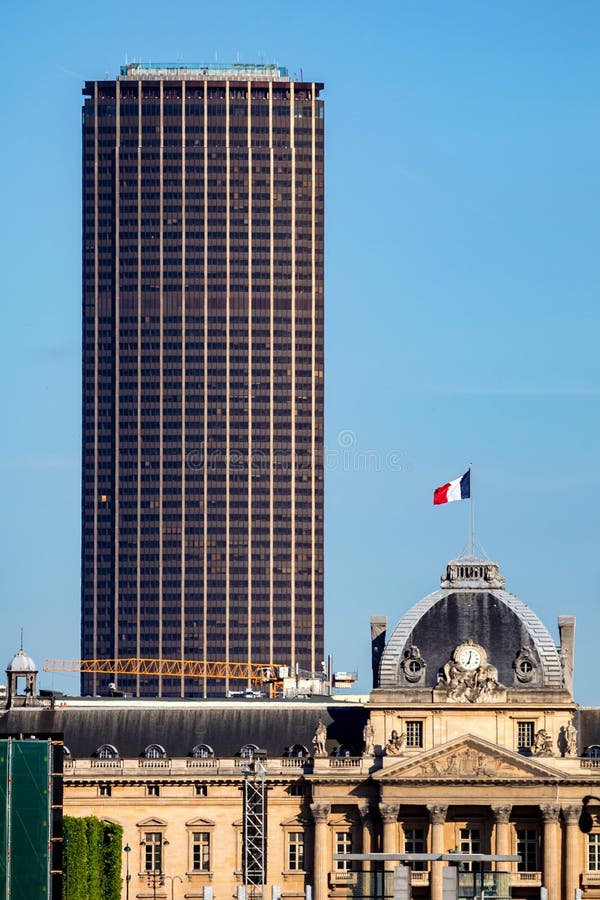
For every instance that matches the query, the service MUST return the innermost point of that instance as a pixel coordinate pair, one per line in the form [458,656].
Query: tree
[92,855]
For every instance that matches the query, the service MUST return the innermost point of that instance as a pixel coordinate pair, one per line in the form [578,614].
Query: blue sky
[463,275]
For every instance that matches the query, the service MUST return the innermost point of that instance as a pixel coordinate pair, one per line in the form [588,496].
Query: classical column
[437,817]
[389,814]
[320,813]
[502,820]
[551,873]
[367,833]
[572,862]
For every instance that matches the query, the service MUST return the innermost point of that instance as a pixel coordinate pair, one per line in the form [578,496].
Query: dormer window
[298,750]
[107,751]
[248,751]
[203,751]
[155,751]
[344,750]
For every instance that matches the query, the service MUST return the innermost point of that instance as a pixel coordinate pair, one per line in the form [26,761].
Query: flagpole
[472,509]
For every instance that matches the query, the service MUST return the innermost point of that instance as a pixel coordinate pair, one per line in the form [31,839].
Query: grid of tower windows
[203,375]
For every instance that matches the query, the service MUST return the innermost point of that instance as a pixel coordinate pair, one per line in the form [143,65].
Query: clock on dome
[470,656]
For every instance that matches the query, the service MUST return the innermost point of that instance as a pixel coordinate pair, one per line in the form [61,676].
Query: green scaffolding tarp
[25,827]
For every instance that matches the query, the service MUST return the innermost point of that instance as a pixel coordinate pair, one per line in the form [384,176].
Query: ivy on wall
[92,853]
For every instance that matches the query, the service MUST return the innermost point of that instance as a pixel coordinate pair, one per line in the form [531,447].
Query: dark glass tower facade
[202,494]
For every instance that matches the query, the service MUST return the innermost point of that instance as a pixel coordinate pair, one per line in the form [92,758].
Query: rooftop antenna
[21,638]
[472,544]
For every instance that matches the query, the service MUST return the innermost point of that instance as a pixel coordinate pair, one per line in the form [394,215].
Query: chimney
[378,631]
[566,631]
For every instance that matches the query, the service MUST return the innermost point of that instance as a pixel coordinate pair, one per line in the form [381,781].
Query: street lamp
[155,880]
[127,851]
[155,876]
[173,879]
[586,823]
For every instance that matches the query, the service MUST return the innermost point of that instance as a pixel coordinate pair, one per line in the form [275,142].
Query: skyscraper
[202,495]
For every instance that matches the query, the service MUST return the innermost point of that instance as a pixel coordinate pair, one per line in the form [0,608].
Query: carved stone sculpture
[542,743]
[469,678]
[463,763]
[319,738]
[570,740]
[368,739]
[395,744]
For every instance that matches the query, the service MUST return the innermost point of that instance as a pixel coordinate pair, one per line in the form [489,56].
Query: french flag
[459,489]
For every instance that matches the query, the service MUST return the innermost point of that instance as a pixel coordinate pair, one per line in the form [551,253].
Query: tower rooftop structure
[205,71]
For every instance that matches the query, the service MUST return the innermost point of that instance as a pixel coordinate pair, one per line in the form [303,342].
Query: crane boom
[186,668]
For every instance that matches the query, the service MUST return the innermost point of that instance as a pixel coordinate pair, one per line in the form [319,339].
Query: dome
[471,612]
[21,663]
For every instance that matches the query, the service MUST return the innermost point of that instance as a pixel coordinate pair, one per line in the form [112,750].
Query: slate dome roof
[472,605]
[21,662]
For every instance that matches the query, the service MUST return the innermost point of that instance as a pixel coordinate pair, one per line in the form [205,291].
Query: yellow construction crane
[253,673]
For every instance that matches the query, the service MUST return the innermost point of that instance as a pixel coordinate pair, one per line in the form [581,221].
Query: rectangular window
[527,849]
[470,842]
[414,842]
[201,851]
[153,844]
[414,734]
[105,790]
[200,790]
[525,735]
[295,855]
[593,853]
[343,844]
[153,790]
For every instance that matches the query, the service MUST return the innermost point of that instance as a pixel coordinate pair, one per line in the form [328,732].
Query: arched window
[202,751]
[107,751]
[155,751]
[593,751]
[66,752]
[297,750]
[248,751]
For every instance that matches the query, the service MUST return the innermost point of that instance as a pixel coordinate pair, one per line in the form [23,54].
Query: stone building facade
[470,741]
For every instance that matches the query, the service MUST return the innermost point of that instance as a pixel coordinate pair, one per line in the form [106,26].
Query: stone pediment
[297,821]
[199,822]
[153,820]
[469,758]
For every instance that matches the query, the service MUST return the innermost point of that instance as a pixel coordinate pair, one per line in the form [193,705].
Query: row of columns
[437,817]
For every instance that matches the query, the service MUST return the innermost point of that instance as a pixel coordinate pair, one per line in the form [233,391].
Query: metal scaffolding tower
[255,827]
